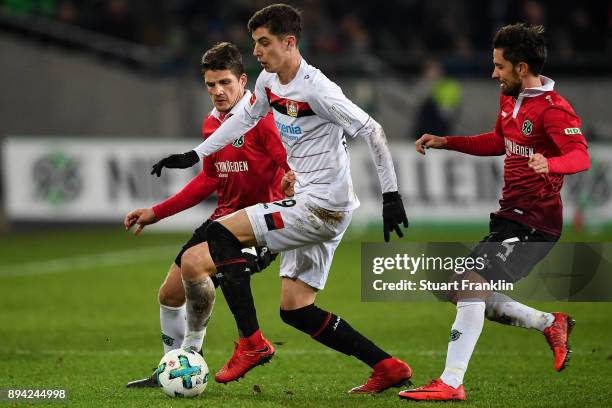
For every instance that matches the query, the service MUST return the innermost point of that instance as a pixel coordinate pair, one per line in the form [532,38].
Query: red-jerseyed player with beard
[540,135]
[244,173]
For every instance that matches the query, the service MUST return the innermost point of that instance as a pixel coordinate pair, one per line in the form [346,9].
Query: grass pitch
[78,311]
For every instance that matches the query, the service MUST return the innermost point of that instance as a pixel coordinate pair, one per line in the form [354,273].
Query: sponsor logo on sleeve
[572,131]
[341,116]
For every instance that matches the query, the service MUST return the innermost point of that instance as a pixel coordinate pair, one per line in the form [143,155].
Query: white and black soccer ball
[182,373]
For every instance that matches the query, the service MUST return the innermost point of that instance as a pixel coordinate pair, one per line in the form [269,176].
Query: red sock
[254,341]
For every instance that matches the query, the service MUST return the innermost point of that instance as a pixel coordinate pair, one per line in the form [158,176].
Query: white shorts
[307,235]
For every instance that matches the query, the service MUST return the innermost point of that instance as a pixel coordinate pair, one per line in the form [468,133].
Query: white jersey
[312,116]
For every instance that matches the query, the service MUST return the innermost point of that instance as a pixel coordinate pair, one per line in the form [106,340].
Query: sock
[172,322]
[234,277]
[505,310]
[200,297]
[464,335]
[334,332]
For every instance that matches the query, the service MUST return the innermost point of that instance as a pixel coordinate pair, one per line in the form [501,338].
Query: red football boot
[436,390]
[557,335]
[248,354]
[390,372]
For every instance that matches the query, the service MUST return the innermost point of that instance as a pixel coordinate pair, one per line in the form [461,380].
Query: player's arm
[198,189]
[329,102]
[486,144]
[238,124]
[564,130]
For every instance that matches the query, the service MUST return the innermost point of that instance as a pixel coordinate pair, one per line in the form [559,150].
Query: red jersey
[538,121]
[244,173]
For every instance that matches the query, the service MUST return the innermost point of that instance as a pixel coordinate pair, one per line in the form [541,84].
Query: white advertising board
[70,179]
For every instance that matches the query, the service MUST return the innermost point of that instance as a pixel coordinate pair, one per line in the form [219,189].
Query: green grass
[92,326]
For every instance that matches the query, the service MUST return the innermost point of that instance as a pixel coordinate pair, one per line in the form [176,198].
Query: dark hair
[279,19]
[522,43]
[223,56]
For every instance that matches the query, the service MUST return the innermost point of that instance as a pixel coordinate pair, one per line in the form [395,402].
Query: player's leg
[464,335]
[172,309]
[226,238]
[172,319]
[505,310]
[506,238]
[556,326]
[199,293]
[279,225]
[298,310]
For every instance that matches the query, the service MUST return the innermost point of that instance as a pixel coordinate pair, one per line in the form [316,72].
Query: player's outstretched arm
[141,217]
[176,161]
[198,189]
[233,127]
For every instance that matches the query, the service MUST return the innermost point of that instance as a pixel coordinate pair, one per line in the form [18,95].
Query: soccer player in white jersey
[313,116]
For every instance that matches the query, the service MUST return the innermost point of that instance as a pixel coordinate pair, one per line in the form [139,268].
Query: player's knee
[223,240]
[169,297]
[226,248]
[194,266]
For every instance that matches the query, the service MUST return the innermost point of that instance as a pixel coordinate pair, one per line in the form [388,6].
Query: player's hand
[287,183]
[393,214]
[258,258]
[141,217]
[428,141]
[176,161]
[538,163]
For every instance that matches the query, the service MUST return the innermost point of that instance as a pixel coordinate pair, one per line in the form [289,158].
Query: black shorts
[511,249]
[199,236]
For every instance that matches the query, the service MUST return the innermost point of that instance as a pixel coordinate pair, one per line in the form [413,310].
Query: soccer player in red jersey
[539,133]
[244,173]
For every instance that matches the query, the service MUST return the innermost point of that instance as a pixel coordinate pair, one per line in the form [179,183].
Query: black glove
[261,261]
[176,161]
[393,214]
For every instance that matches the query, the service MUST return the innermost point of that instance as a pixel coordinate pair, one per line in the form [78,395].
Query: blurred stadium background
[93,92]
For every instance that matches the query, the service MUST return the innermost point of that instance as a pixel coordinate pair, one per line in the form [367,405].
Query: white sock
[464,335]
[505,310]
[200,296]
[172,321]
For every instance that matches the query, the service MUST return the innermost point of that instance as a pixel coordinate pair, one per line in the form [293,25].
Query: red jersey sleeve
[200,187]
[486,144]
[564,129]
[271,141]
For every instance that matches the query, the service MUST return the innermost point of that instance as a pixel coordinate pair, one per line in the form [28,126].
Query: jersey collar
[547,86]
[239,105]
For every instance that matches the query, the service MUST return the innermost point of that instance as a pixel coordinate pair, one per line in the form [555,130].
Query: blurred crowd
[410,27]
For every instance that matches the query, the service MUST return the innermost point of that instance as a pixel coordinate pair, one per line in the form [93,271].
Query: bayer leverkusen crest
[292,108]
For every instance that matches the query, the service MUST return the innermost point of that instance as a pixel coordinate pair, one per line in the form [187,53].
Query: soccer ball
[182,373]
